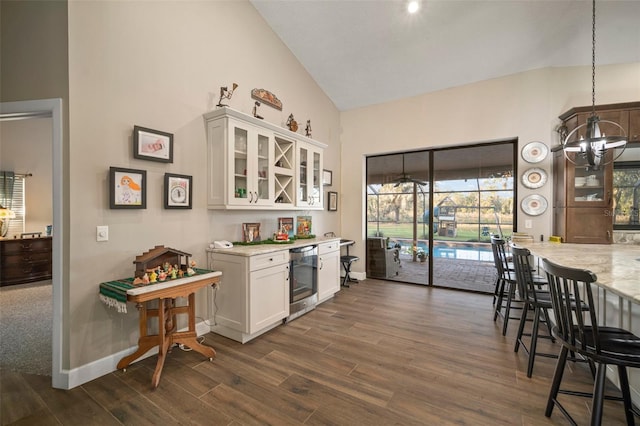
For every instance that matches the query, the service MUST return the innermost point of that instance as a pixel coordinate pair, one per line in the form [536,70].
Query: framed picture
[332,206]
[327,177]
[177,191]
[250,232]
[127,188]
[153,145]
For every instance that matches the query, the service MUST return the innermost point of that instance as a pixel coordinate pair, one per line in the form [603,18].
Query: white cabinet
[328,270]
[254,164]
[309,161]
[240,172]
[253,296]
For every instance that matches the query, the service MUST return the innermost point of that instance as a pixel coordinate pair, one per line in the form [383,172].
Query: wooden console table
[166,293]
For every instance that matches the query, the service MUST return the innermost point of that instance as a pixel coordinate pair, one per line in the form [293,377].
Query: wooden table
[166,312]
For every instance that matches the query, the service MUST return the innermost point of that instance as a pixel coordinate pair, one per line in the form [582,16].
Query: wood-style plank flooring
[379,353]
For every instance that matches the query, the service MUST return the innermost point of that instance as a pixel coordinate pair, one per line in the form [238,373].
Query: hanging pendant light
[594,148]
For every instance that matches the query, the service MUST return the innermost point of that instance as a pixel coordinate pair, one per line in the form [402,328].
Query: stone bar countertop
[253,250]
[617,266]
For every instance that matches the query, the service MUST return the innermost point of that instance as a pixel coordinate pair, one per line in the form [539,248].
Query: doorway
[24,110]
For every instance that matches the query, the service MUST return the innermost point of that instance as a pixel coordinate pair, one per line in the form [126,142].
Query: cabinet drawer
[270,259]
[25,258]
[328,247]
[26,245]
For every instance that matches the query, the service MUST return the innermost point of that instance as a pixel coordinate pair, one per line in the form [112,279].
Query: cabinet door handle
[321,264]
[257,198]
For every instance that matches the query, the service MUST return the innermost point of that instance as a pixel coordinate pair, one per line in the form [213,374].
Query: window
[626,193]
[13,199]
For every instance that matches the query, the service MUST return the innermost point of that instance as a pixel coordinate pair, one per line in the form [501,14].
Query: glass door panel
[264,168]
[240,165]
[303,194]
[472,200]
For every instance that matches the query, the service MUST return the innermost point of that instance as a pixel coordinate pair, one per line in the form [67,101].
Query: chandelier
[595,148]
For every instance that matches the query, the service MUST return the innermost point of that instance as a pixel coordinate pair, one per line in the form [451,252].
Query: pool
[450,250]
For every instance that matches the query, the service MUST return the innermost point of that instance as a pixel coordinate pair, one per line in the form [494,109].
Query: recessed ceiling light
[413,6]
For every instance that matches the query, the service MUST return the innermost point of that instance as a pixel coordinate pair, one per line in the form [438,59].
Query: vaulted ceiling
[367,52]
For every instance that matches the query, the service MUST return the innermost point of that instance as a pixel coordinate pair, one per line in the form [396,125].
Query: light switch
[102,233]
[527,224]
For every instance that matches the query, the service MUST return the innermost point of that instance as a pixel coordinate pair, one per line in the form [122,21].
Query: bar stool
[536,298]
[582,335]
[347,261]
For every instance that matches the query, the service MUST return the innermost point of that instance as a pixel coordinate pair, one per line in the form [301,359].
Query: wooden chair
[505,291]
[583,335]
[536,299]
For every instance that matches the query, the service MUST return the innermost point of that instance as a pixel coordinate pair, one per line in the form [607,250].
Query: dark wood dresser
[25,260]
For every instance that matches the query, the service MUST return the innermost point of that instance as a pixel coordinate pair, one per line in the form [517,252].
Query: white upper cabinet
[253,164]
[309,193]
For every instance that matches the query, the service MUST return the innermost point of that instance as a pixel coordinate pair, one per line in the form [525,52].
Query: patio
[460,274]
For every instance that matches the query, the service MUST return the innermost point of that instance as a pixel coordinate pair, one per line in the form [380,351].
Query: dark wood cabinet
[583,196]
[25,260]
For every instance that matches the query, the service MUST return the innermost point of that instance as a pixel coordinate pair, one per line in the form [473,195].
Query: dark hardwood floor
[379,353]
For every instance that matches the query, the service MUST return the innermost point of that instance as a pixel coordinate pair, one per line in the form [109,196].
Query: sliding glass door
[430,214]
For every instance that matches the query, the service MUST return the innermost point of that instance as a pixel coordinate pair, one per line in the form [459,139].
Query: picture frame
[178,191]
[152,145]
[127,188]
[250,232]
[327,177]
[332,205]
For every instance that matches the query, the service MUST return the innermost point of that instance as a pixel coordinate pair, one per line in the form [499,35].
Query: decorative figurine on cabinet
[307,130]
[255,110]
[225,93]
[292,124]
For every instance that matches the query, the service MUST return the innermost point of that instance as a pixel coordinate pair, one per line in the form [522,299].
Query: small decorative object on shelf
[250,232]
[256,105]
[159,263]
[267,98]
[292,124]
[225,93]
[307,130]
[285,228]
[303,227]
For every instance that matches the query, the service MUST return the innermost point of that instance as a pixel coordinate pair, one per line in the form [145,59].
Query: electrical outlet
[528,224]
[102,233]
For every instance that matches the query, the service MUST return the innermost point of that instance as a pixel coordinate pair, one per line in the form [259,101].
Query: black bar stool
[582,335]
[347,261]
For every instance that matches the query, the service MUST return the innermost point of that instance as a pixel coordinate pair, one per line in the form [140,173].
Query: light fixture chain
[593,61]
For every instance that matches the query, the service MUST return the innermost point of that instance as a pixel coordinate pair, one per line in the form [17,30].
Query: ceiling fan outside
[405,178]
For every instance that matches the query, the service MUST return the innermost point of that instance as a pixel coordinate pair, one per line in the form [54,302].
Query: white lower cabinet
[253,296]
[328,270]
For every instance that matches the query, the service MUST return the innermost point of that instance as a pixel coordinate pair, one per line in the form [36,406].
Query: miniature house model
[158,256]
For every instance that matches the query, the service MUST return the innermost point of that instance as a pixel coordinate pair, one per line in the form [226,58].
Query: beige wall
[523,106]
[160,65]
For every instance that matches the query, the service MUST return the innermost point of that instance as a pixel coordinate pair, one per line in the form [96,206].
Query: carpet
[26,316]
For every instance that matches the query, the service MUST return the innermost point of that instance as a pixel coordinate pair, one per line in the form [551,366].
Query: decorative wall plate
[534,152]
[534,205]
[534,178]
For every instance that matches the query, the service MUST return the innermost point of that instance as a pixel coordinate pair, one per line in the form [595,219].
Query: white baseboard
[93,370]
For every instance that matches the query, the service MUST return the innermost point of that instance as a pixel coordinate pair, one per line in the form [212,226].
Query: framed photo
[127,188]
[153,145]
[250,232]
[178,191]
[327,177]
[332,206]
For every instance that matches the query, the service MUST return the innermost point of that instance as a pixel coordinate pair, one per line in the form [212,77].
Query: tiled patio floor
[453,273]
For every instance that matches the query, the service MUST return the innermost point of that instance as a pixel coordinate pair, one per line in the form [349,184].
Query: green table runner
[114,293]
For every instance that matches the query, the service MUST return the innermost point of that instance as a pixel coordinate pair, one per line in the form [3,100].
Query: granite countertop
[617,266]
[252,250]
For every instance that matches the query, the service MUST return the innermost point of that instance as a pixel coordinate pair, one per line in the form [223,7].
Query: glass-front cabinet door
[309,193]
[251,173]
[587,186]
